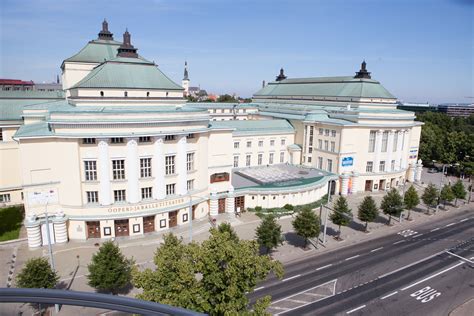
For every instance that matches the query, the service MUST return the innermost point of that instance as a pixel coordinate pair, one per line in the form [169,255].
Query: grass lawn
[10,222]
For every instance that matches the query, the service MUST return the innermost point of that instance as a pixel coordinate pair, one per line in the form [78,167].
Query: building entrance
[173,219]
[221,206]
[382,185]
[239,203]
[93,229]
[148,224]
[121,227]
[368,185]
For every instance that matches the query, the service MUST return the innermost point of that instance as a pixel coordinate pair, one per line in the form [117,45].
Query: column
[419,168]
[345,184]
[158,170]
[404,150]
[411,173]
[388,163]
[60,228]
[398,153]
[213,205]
[230,201]
[132,169]
[378,148]
[355,181]
[181,187]
[33,232]
[105,194]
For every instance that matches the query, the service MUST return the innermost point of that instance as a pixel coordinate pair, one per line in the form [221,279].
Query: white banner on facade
[43,197]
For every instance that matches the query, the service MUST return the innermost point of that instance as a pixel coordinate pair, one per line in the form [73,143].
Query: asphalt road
[359,276]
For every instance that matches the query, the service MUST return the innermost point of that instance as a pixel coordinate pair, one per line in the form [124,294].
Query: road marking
[290,278]
[417,235]
[411,264]
[374,250]
[259,288]
[432,276]
[451,224]
[388,295]
[352,257]
[463,220]
[398,242]
[462,258]
[355,309]
[296,301]
[324,267]
[435,229]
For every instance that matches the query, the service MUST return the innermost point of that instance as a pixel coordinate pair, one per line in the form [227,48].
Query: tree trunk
[339,234]
[409,212]
[389,219]
[366,224]
[456,202]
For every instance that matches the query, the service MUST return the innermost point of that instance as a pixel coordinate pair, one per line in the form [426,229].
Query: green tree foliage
[227,228]
[306,224]
[37,273]
[430,196]
[269,233]
[227,98]
[411,200]
[392,204]
[109,270]
[288,207]
[459,191]
[212,277]
[342,215]
[446,194]
[368,211]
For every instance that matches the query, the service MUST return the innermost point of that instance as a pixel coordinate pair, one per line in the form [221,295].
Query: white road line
[434,229]
[324,267]
[417,235]
[355,309]
[259,288]
[296,301]
[462,258]
[450,224]
[388,295]
[411,264]
[432,276]
[398,242]
[463,220]
[353,257]
[374,250]
[290,278]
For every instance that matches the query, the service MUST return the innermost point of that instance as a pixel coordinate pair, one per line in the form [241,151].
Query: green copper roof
[325,87]
[39,129]
[96,51]
[127,73]
[12,103]
[31,95]
[248,127]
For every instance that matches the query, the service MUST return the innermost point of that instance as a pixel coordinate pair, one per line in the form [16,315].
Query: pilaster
[105,194]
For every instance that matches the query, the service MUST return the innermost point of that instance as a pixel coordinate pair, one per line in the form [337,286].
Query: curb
[14,241]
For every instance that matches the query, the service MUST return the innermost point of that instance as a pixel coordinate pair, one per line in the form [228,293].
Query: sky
[420,50]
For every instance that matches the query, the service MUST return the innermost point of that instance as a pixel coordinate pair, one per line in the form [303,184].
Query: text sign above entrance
[347,161]
[132,208]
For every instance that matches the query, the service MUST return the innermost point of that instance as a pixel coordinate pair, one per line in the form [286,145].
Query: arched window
[125,94]
[101,93]
[148,94]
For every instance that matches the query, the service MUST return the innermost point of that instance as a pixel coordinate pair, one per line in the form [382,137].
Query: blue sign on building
[347,161]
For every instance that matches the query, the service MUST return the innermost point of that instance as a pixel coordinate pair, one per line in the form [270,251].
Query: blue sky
[421,50]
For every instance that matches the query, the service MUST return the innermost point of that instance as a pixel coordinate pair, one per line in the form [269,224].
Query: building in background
[456,109]
[16,85]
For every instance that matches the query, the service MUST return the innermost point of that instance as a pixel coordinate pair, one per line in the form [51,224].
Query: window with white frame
[326,132]
[236,161]
[320,162]
[145,167]
[329,165]
[118,169]
[88,141]
[320,144]
[5,198]
[170,188]
[119,196]
[169,164]
[369,167]
[321,131]
[333,133]
[283,141]
[326,145]
[92,196]
[310,150]
[392,165]
[1,134]
[309,159]
[382,166]
[282,157]
[372,136]
[190,162]
[146,193]
[247,160]
[249,144]
[395,141]
[236,145]
[90,170]
[260,159]
[270,158]
[190,185]
[144,139]
[169,138]
[384,141]
[272,142]
[333,146]
[260,143]
[116,140]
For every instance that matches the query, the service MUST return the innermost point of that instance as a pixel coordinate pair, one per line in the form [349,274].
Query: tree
[368,211]
[392,204]
[306,224]
[446,194]
[227,228]
[227,98]
[109,270]
[213,277]
[459,191]
[430,196]
[411,200]
[289,207]
[342,214]
[269,233]
[37,273]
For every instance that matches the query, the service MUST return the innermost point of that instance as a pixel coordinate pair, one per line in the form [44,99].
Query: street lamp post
[50,247]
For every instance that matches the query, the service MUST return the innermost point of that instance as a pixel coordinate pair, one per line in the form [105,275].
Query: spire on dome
[281,76]
[363,73]
[127,49]
[186,75]
[104,34]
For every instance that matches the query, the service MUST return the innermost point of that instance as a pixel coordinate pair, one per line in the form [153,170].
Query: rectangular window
[272,142]
[270,159]
[249,144]
[260,159]
[116,140]
[369,167]
[329,165]
[90,170]
[321,131]
[170,138]
[310,142]
[283,142]
[170,189]
[119,195]
[144,139]
[247,160]
[333,133]
[145,167]
[333,146]
[392,165]
[92,196]
[118,169]
[309,159]
[236,145]
[190,162]
[326,132]
[282,157]
[190,136]
[311,130]
[384,141]
[260,143]
[236,161]
[320,144]
[310,150]
[382,166]
[88,141]
[5,198]
[320,162]
[169,164]
[1,135]
[190,185]
[395,141]
[372,136]
[326,145]
[146,193]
